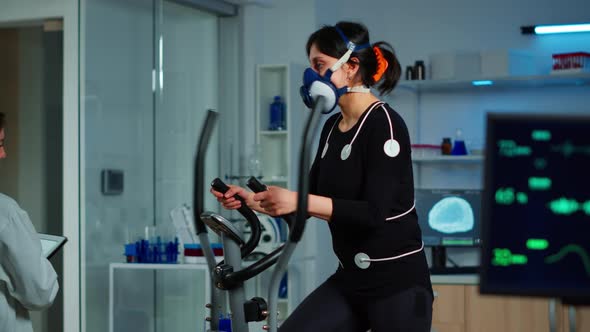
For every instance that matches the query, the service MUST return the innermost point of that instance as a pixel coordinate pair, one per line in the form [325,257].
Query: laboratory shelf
[274,132]
[275,179]
[145,266]
[498,83]
[449,159]
[456,279]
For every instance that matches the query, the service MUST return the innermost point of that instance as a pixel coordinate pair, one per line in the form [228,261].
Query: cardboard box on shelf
[503,63]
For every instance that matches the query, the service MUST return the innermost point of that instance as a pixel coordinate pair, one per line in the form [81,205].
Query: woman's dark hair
[329,42]
[2,120]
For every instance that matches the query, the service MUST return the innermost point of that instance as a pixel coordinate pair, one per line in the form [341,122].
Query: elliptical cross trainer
[228,274]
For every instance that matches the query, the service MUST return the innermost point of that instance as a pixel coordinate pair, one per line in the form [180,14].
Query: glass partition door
[149,74]
[187,86]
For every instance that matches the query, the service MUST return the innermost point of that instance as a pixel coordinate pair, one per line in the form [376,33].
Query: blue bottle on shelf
[277,114]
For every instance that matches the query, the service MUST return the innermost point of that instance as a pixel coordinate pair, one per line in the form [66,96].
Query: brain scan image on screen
[451,215]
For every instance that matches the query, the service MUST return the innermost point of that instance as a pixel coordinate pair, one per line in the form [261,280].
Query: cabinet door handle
[552,321]
[572,318]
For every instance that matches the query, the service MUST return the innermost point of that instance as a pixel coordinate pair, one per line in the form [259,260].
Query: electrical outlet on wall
[112,182]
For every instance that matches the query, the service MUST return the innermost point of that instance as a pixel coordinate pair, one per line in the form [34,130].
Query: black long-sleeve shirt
[367,188]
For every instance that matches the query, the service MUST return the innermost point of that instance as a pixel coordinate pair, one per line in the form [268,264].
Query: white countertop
[455,279]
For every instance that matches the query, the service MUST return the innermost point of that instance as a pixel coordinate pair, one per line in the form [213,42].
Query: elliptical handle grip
[219,185]
[256,186]
[245,211]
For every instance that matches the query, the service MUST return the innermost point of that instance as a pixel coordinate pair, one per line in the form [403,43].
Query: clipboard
[50,244]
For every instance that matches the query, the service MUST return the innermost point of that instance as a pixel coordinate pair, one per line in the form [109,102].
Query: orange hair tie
[382,64]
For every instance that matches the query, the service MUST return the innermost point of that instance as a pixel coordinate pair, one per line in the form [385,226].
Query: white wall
[26,10]
[270,35]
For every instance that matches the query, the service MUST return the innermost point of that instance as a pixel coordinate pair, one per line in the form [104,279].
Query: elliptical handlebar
[280,255]
[245,211]
[298,227]
[231,279]
[234,278]
[256,186]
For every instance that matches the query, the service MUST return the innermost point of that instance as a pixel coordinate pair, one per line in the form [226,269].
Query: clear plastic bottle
[254,161]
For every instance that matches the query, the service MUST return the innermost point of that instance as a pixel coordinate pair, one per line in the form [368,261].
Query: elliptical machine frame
[228,274]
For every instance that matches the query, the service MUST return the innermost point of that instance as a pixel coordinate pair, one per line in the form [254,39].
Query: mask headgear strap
[352,47]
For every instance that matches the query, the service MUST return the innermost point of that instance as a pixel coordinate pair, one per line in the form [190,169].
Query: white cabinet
[278,149]
[158,297]
[447,164]
[273,145]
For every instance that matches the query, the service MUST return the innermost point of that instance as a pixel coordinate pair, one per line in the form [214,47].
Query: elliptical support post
[301,216]
[237,295]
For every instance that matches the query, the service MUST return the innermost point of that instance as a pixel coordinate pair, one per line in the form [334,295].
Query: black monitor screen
[536,204]
[449,217]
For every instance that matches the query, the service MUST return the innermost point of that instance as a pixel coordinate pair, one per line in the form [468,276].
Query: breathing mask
[315,85]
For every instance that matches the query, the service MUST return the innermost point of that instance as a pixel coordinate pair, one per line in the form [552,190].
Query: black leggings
[328,309]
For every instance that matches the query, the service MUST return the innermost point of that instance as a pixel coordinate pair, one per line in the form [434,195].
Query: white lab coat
[27,279]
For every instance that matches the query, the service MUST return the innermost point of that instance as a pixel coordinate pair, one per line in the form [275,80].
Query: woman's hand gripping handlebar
[256,186]
[245,211]
[233,279]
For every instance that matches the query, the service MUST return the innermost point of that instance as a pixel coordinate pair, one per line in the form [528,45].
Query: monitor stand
[439,264]
[576,301]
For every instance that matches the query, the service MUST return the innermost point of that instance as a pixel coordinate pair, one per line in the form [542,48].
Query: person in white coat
[27,279]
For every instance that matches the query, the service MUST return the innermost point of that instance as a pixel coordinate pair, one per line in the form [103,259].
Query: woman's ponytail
[388,69]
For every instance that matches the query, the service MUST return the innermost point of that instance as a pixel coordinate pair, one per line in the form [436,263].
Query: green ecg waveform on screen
[507,196]
[541,135]
[509,148]
[571,248]
[540,163]
[537,244]
[539,183]
[568,149]
[522,198]
[567,206]
[503,257]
